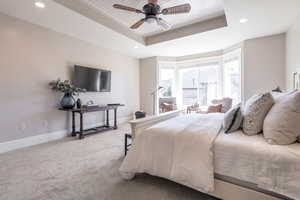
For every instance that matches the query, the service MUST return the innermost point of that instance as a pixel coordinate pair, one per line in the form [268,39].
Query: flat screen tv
[91,79]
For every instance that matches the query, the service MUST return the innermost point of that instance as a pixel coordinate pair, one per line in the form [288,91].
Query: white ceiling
[266,17]
[201,9]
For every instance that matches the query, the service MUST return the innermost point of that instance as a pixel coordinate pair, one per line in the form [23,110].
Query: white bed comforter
[179,149]
[273,168]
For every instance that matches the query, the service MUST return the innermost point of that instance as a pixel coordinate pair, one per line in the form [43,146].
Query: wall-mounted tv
[92,79]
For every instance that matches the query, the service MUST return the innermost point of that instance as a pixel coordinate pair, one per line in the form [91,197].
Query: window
[232,80]
[199,85]
[199,81]
[167,81]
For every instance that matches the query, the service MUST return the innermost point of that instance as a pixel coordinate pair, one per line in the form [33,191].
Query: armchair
[167,104]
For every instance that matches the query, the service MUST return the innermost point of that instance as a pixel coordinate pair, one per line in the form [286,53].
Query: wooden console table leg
[81,136]
[115,119]
[73,125]
[107,118]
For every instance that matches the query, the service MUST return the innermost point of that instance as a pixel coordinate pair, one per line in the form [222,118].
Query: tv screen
[91,79]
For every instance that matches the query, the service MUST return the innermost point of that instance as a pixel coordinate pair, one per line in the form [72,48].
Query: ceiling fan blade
[138,24]
[122,7]
[164,24]
[152,1]
[185,8]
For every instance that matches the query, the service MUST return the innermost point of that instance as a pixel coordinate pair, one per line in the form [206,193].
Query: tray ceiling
[277,18]
[201,10]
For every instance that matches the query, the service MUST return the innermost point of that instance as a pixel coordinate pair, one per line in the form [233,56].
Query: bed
[243,167]
[251,162]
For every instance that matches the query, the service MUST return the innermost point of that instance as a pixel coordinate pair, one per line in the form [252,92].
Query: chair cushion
[255,111]
[282,124]
[214,108]
[233,119]
[225,102]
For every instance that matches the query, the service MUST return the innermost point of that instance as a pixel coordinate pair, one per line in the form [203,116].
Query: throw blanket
[179,149]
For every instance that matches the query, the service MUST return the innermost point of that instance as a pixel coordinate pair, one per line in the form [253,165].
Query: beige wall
[263,67]
[292,52]
[264,64]
[31,56]
[148,83]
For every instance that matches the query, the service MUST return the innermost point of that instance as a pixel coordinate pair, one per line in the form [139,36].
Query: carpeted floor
[71,169]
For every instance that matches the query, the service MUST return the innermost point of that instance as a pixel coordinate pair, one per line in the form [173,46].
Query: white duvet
[179,149]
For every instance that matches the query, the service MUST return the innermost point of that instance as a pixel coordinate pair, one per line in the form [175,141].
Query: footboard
[139,125]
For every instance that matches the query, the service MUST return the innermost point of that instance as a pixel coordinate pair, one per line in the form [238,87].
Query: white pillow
[278,95]
[282,124]
[255,111]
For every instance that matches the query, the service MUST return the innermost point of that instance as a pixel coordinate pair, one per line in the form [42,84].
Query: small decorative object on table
[68,101]
[78,103]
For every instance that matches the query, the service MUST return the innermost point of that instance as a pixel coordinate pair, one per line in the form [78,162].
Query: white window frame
[192,63]
[233,55]
[168,65]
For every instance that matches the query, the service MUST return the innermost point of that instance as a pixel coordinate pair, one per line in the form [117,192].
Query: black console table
[81,111]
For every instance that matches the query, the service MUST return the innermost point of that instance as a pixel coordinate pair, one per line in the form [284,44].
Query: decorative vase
[68,101]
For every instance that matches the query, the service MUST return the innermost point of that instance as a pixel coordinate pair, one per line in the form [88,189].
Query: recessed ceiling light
[39,4]
[243,20]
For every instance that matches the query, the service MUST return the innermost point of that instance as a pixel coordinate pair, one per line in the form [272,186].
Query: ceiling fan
[152,12]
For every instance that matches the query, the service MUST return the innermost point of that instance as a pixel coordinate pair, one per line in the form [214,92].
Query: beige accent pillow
[282,124]
[255,111]
[214,108]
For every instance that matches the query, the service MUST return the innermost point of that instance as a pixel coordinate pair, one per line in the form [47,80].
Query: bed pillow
[214,108]
[233,119]
[255,111]
[278,95]
[282,124]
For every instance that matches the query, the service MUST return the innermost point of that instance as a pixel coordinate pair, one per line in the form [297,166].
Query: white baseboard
[44,138]
[30,141]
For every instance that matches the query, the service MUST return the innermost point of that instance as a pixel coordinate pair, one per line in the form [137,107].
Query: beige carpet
[71,169]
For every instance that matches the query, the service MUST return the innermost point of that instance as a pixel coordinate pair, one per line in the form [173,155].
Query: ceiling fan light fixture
[163,24]
[150,20]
